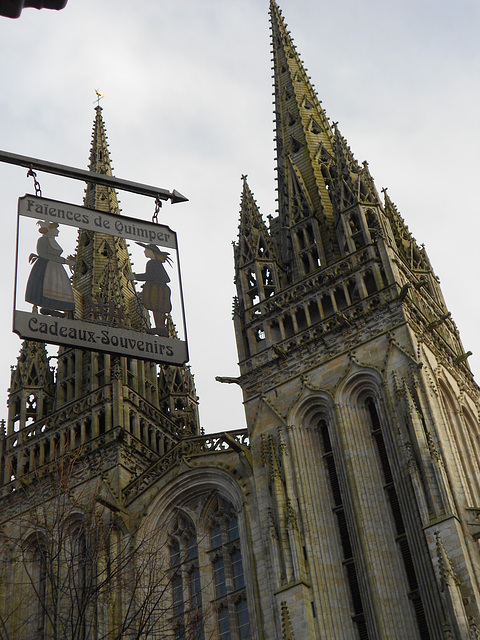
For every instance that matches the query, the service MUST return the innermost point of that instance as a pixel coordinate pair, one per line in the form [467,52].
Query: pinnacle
[250,215]
[98,196]
[346,162]
[254,239]
[32,368]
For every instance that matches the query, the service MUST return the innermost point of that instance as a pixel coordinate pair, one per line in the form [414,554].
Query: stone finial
[447,574]
[287,631]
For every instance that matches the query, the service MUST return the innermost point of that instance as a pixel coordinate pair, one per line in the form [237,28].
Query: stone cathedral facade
[349,509]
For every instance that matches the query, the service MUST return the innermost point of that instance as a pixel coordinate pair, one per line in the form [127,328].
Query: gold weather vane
[100,95]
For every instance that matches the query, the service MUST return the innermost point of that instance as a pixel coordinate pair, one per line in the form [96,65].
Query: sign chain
[36,184]
[158,206]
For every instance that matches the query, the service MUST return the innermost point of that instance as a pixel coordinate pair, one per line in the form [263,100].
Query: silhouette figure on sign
[155,291]
[48,285]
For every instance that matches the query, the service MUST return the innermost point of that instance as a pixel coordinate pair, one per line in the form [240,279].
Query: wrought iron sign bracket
[91,177]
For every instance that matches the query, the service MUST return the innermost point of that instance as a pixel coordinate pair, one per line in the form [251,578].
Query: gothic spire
[103,262]
[305,142]
[98,196]
[256,257]
[253,233]
[249,212]
[333,237]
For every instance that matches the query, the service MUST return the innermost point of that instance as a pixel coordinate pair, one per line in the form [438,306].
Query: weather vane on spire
[100,95]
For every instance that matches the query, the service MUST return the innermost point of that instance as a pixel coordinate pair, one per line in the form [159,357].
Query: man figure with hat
[155,291]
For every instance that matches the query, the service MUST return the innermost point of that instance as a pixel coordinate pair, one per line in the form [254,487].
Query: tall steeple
[352,367]
[303,135]
[97,196]
[105,294]
[103,262]
[332,230]
[95,395]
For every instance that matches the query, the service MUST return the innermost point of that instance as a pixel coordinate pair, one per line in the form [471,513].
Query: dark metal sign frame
[95,336]
[59,330]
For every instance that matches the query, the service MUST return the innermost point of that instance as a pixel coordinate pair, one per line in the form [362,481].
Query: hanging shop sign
[100,281]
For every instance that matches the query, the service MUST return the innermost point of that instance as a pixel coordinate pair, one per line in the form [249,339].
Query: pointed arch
[218,574]
[77,567]
[33,377]
[358,384]
[225,554]
[367,428]
[459,439]
[31,588]
[185,585]
[316,414]
[473,431]
[263,250]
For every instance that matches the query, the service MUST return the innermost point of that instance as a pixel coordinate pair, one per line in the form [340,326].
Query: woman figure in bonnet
[48,285]
[155,291]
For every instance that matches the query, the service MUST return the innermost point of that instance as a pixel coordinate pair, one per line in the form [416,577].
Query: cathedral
[348,509]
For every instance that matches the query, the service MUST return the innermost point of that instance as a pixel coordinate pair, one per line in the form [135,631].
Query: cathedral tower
[96,394]
[361,407]
[78,438]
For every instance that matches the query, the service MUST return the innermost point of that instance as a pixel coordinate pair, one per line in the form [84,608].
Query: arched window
[460,439]
[268,281]
[252,287]
[207,583]
[31,407]
[39,576]
[472,434]
[224,623]
[226,558]
[74,580]
[32,594]
[243,621]
[344,535]
[401,536]
[185,581]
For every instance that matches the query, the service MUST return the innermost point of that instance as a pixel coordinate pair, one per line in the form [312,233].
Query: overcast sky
[188,106]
